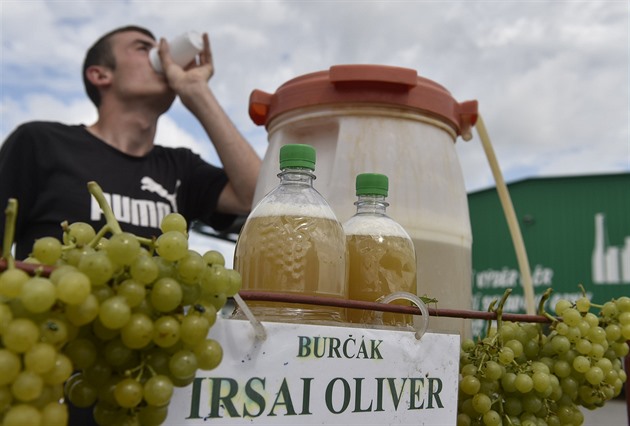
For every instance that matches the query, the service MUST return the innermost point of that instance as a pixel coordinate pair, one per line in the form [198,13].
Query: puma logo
[148,184]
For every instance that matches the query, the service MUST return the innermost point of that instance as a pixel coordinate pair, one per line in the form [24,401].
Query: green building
[576,231]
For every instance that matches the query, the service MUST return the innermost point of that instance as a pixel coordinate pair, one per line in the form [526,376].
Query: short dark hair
[101,54]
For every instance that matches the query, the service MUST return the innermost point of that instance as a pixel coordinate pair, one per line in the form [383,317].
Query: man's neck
[130,131]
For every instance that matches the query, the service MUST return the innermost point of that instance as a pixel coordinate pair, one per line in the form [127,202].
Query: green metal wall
[557,221]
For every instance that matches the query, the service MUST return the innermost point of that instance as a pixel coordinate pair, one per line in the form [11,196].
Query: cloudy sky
[551,77]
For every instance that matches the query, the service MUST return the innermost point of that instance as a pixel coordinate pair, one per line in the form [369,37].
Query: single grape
[20,335]
[583,346]
[166,294]
[6,315]
[234,284]
[523,383]
[144,269]
[55,331]
[583,304]
[114,312]
[213,257]
[47,250]
[38,294]
[481,403]
[613,332]
[571,317]
[463,420]
[97,266]
[21,415]
[60,372]
[597,335]
[128,393]
[194,329]
[166,331]
[82,352]
[541,381]
[183,364]
[27,386]
[594,375]
[98,373]
[609,310]
[158,390]
[532,403]
[137,332]
[84,312]
[82,393]
[123,248]
[561,306]
[12,281]
[10,366]
[54,413]
[220,279]
[493,371]
[133,291]
[207,310]
[150,415]
[116,353]
[40,358]
[73,287]
[172,245]
[191,294]
[174,222]
[560,344]
[506,355]
[492,418]
[209,355]
[562,368]
[191,267]
[469,385]
[79,233]
[581,364]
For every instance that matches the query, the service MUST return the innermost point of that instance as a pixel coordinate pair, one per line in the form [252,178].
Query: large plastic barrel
[389,120]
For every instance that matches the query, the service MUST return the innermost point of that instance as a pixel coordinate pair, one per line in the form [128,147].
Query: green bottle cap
[297,155]
[372,184]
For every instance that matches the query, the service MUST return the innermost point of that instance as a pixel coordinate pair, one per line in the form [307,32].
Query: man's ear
[98,75]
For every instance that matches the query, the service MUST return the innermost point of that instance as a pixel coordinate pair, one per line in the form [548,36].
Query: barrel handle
[404,78]
[259,102]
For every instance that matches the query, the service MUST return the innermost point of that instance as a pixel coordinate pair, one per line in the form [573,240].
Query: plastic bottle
[292,242]
[381,255]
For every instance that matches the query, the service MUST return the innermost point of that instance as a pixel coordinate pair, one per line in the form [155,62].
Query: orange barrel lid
[374,84]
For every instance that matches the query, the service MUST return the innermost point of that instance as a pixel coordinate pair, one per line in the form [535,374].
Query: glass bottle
[381,255]
[292,242]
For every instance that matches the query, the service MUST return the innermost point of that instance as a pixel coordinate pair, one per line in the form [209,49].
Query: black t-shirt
[46,166]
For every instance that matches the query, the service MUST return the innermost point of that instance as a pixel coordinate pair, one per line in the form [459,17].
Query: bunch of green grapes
[535,375]
[115,326]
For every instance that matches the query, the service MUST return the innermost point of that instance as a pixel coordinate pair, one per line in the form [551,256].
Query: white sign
[315,374]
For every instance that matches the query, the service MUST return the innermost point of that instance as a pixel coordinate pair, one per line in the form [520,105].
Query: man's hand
[188,80]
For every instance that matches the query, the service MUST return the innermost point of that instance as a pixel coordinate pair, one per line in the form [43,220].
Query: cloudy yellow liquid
[297,254]
[378,266]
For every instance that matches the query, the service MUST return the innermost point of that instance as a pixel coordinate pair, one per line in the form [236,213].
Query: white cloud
[551,78]
[45,107]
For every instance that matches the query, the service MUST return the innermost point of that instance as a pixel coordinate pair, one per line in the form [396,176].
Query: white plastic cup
[183,49]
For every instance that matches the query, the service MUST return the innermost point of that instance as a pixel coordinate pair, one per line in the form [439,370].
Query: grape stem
[9,231]
[542,312]
[98,195]
[499,309]
[112,224]
[490,309]
[543,300]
